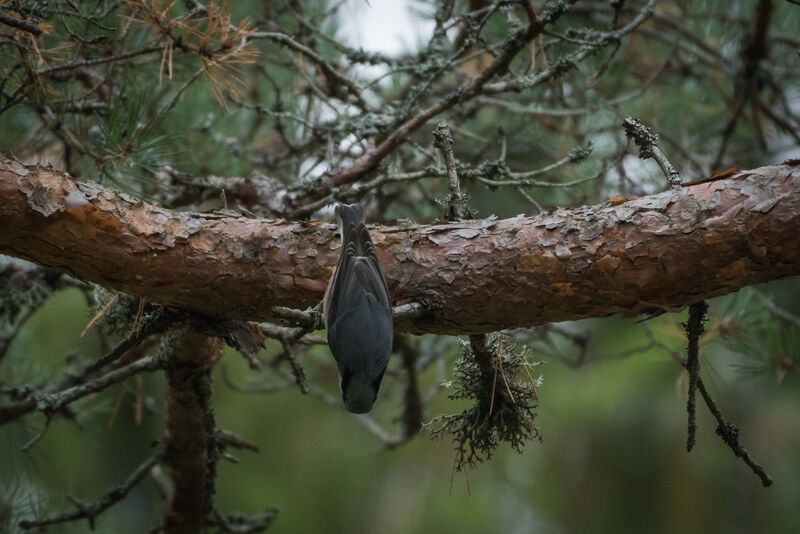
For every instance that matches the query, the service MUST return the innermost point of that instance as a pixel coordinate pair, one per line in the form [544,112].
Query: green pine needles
[132,144]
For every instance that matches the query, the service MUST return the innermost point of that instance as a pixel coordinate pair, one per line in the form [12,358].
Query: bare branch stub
[457,202]
[647,142]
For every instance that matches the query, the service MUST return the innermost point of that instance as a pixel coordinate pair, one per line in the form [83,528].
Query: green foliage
[751,324]
[130,146]
[20,498]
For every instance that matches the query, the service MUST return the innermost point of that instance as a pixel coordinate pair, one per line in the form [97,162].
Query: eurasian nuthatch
[358,313]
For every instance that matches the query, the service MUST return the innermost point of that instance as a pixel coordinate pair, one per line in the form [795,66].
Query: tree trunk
[191,447]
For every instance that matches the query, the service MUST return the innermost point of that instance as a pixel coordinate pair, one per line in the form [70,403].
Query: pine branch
[664,250]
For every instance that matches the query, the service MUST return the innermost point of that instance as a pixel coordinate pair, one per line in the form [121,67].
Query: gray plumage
[358,313]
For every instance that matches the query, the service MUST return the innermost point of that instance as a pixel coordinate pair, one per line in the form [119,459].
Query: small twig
[530,199]
[99,61]
[297,369]
[308,318]
[646,140]
[694,329]
[240,524]
[730,127]
[158,322]
[137,320]
[389,440]
[52,402]
[276,332]
[456,202]
[229,439]
[453,472]
[566,64]
[39,434]
[780,312]
[91,511]
[730,435]
[533,382]
[163,482]
[466,475]
[494,388]
[199,72]
[112,417]
[408,311]
[311,317]
[502,373]
[328,70]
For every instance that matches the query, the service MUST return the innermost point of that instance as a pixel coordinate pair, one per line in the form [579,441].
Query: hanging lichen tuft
[497,376]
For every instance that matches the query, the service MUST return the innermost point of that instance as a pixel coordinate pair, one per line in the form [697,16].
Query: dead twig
[647,141]
[694,329]
[113,496]
[730,435]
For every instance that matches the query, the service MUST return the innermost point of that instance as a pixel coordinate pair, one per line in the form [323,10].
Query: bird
[357,312]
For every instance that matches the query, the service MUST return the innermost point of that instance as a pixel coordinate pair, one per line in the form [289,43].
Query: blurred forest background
[718,81]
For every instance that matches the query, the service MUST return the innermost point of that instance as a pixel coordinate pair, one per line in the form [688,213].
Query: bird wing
[362,304]
[358,256]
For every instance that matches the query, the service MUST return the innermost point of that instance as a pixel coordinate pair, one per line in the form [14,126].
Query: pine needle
[99,314]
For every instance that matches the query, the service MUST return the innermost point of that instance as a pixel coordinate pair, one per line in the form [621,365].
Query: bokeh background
[612,458]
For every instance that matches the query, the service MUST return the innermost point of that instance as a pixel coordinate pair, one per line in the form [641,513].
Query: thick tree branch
[666,250]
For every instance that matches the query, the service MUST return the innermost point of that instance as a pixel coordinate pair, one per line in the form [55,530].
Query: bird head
[359,390]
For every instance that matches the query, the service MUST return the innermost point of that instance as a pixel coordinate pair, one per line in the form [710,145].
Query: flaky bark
[191,448]
[666,250]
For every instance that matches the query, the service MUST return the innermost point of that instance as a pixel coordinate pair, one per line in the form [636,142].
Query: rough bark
[666,250]
[191,447]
